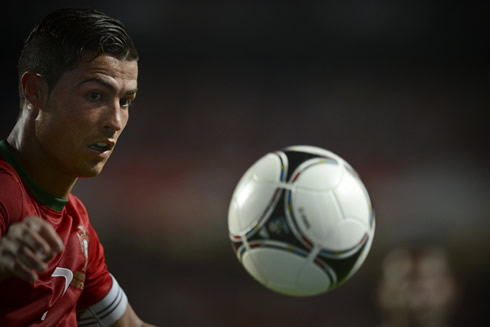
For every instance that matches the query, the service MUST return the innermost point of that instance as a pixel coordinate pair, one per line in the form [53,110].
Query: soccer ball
[301,221]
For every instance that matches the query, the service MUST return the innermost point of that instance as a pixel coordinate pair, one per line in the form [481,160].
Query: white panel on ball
[267,169]
[320,176]
[313,280]
[250,205]
[276,269]
[344,235]
[353,198]
[253,194]
[316,213]
[233,218]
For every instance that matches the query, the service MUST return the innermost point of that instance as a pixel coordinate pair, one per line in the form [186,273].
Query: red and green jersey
[76,278]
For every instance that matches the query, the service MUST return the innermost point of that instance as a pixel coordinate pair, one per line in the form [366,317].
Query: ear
[34,88]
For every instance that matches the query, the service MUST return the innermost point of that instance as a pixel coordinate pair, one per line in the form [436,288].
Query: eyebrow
[106,84]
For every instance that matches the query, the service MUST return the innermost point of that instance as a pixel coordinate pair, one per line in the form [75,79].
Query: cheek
[67,132]
[49,126]
[124,119]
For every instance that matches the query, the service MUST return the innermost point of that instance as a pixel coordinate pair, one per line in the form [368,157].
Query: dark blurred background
[400,89]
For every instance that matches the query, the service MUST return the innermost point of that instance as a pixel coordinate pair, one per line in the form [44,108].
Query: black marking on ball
[277,228]
[342,266]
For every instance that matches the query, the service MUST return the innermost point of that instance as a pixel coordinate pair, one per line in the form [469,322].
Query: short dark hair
[60,40]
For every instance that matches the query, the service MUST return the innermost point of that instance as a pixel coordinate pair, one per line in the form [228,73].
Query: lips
[102,146]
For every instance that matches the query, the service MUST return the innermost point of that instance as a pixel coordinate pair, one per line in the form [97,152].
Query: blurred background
[400,89]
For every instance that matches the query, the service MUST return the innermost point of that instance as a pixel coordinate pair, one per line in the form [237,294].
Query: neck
[37,164]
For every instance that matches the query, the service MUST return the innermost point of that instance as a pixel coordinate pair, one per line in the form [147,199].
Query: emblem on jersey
[79,276]
[83,237]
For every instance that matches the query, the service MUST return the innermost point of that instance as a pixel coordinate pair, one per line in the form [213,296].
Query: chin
[91,171]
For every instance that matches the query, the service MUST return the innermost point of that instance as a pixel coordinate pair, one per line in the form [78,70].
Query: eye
[125,102]
[94,96]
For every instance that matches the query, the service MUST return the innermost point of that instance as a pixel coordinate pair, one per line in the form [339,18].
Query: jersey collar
[40,194]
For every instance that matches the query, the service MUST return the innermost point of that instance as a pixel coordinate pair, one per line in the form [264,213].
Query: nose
[115,118]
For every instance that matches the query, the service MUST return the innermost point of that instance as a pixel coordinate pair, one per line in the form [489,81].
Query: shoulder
[7,172]
[75,204]
[11,195]
[10,181]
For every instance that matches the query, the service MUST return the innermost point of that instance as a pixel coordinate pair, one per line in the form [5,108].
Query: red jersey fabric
[76,278]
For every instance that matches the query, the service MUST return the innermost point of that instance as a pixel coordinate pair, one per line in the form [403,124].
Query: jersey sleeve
[10,201]
[98,281]
[107,311]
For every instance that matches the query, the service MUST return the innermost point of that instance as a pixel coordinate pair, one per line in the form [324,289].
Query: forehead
[122,74]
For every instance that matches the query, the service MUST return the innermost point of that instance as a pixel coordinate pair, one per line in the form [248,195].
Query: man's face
[85,113]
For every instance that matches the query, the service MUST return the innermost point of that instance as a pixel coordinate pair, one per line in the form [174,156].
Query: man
[77,77]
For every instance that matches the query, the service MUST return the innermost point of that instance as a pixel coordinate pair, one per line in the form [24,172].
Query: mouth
[102,146]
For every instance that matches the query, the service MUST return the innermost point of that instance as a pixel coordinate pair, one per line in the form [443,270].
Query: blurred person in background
[77,77]
[417,288]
